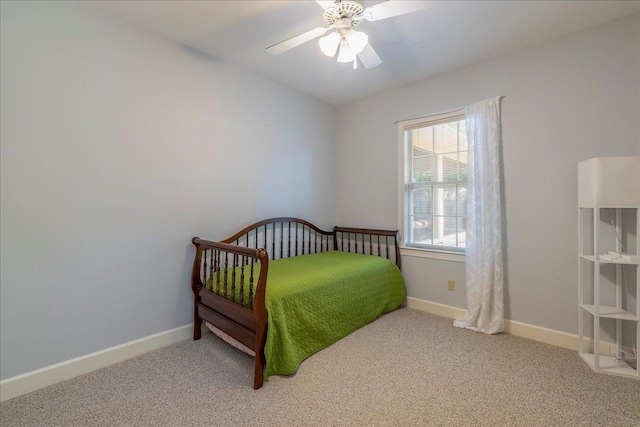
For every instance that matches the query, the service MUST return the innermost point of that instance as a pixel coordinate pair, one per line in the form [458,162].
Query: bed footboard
[229,283]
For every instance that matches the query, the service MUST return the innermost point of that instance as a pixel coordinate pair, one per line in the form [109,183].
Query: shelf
[610,312]
[599,244]
[608,365]
[593,259]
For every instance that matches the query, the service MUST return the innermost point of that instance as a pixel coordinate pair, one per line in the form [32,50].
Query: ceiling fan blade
[392,8]
[369,57]
[326,4]
[284,46]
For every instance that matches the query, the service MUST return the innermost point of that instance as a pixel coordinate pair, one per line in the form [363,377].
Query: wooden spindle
[281,239]
[217,271]
[265,237]
[205,269]
[246,240]
[251,286]
[296,238]
[386,241]
[289,240]
[378,237]
[273,240]
[211,267]
[242,263]
[233,277]
[255,237]
[226,272]
[309,233]
[341,241]
[349,241]
[357,243]
[303,241]
[370,245]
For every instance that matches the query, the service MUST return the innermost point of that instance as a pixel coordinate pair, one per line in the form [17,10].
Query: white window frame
[403,125]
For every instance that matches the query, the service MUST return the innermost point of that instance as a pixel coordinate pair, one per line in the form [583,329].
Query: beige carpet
[407,368]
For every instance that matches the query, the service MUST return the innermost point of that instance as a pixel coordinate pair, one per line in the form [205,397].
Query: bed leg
[261,361]
[197,332]
[258,375]
[197,325]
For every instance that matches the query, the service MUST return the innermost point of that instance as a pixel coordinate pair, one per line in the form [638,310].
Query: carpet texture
[406,368]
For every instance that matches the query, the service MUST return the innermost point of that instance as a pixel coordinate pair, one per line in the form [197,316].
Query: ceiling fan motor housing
[346,9]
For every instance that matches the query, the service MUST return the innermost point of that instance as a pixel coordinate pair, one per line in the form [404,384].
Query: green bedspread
[315,300]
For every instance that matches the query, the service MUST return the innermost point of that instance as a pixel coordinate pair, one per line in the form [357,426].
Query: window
[433,181]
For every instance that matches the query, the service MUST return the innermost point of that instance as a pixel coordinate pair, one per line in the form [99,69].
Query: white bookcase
[609,190]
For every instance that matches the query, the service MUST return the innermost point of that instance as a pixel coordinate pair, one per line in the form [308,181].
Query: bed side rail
[284,237]
[382,243]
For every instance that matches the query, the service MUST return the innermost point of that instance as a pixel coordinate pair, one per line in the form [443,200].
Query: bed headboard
[284,237]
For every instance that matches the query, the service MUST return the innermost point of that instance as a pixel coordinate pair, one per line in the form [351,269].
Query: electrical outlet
[451,285]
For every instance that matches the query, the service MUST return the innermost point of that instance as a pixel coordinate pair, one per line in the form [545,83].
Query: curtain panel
[484,251]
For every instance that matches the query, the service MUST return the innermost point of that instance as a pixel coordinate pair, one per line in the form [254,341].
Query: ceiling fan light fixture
[329,44]
[346,54]
[342,16]
[357,40]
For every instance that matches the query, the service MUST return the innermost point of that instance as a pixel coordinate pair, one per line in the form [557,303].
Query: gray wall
[117,147]
[565,101]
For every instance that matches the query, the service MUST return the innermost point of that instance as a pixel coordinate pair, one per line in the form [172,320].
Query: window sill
[431,254]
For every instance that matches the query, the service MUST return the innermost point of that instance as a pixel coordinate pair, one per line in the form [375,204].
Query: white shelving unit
[607,184]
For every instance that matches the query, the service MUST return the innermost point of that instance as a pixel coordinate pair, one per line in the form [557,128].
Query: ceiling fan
[342,16]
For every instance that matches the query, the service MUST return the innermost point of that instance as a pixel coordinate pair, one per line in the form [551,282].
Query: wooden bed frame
[230,265]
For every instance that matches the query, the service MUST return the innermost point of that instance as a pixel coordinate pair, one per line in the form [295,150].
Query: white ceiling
[449,35]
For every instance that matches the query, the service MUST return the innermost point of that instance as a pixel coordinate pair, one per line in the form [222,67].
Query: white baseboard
[31,381]
[436,308]
[525,330]
[34,380]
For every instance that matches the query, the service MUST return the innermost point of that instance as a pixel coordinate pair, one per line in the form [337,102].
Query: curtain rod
[453,110]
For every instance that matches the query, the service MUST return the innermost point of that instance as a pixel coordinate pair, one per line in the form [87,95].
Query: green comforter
[315,300]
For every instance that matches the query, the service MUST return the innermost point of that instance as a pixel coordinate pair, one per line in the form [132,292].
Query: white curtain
[484,262]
